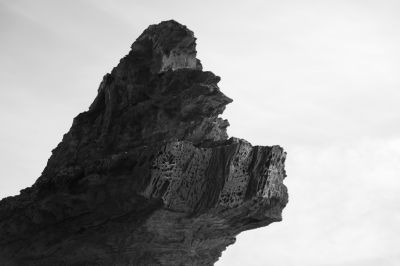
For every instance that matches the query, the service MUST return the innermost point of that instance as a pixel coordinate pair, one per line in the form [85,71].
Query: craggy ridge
[146,176]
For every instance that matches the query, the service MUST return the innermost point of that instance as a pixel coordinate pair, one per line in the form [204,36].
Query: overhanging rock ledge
[148,175]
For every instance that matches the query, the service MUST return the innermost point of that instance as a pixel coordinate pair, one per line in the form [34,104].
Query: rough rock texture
[147,176]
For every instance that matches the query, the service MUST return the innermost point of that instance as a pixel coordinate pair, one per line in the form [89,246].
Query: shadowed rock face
[147,176]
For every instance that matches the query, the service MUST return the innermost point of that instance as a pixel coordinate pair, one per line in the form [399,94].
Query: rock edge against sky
[148,175]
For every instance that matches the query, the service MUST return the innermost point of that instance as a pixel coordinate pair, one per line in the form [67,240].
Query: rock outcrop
[146,176]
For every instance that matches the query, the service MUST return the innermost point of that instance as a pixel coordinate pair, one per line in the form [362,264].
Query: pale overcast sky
[320,78]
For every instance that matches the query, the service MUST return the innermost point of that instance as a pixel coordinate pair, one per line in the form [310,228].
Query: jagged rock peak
[146,176]
[173,46]
[162,79]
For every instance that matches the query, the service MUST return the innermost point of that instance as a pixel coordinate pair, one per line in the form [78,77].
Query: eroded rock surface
[147,176]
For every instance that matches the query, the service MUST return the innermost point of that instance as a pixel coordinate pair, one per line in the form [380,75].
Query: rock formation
[146,176]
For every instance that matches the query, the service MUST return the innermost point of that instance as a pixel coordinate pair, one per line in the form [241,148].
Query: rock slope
[148,175]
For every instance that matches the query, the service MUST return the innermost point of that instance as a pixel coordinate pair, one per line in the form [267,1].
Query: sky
[320,78]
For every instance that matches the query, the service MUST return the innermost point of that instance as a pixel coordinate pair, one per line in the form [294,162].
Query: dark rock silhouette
[147,176]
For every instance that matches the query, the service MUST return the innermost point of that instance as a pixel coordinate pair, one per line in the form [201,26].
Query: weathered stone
[147,176]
